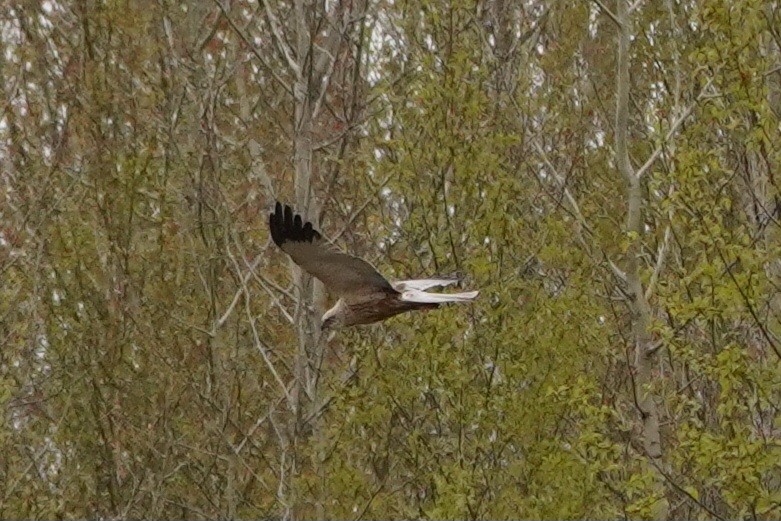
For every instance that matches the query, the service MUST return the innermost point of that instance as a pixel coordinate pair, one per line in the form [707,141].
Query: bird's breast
[379,307]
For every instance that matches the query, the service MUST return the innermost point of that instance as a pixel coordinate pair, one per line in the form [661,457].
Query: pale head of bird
[331,319]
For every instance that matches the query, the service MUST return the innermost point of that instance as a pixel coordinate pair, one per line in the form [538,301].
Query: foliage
[157,354]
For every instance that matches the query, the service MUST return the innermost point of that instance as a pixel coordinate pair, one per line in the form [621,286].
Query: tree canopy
[605,172]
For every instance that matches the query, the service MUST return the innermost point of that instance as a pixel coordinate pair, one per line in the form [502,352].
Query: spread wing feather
[343,275]
[423,297]
[423,284]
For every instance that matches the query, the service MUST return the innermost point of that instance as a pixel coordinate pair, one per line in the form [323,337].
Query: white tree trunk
[644,354]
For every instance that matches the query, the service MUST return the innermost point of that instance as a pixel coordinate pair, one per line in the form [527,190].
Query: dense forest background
[606,172]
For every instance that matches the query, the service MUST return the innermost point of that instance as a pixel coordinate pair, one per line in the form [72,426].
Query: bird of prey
[365,296]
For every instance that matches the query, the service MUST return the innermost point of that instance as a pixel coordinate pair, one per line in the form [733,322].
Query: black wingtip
[275,225]
[286,226]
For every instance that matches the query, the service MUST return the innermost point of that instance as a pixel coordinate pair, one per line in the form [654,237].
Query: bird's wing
[422,284]
[342,274]
[423,297]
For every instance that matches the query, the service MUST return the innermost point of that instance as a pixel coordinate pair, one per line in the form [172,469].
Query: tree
[603,171]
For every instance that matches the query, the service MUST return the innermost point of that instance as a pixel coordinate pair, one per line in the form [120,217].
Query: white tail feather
[422,284]
[414,295]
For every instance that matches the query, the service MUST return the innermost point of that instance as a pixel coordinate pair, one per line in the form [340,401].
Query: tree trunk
[644,353]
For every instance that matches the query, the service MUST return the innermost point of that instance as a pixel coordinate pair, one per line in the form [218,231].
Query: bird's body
[365,296]
[373,308]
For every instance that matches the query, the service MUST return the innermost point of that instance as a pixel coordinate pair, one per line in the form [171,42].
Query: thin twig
[357,213]
[670,133]
[262,348]
[660,257]
[608,12]
[282,45]
[251,46]
[618,272]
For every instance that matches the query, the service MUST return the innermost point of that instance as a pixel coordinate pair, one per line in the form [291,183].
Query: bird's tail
[424,297]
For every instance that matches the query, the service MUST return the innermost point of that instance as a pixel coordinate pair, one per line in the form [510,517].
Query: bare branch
[634,7]
[280,42]
[774,70]
[258,165]
[608,12]
[673,130]
[618,272]
[563,185]
[683,490]
[260,421]
[262,348]
[251,46]
[360,210]
[660,258]
[325,78]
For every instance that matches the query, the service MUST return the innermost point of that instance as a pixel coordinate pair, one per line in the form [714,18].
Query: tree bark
[311,65]
[644,352]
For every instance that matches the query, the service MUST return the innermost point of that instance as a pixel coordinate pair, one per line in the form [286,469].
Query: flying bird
[364,295]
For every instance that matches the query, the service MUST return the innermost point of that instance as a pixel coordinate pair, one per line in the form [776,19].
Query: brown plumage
[365,296]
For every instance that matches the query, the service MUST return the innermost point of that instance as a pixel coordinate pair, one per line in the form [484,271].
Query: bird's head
[331,319]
